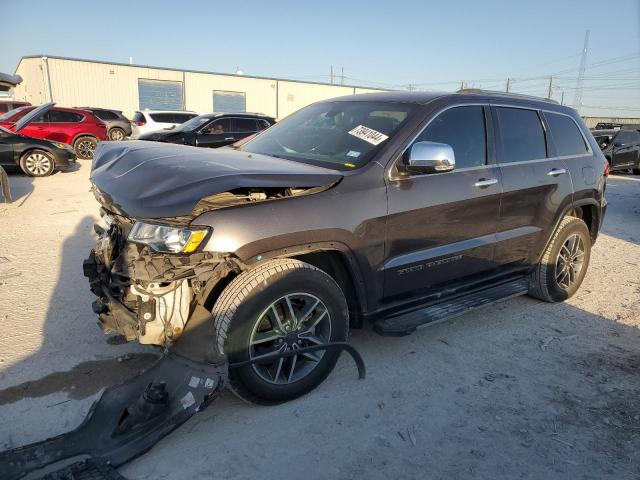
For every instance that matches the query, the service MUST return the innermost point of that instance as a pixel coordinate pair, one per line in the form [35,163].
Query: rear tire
[564,264]
[263,310]
[116,134]
[85,146]
[37,163]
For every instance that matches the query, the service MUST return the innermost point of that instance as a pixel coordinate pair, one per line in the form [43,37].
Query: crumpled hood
[153,180]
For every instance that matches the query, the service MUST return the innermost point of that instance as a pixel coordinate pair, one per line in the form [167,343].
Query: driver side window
[220,126]
[463,128]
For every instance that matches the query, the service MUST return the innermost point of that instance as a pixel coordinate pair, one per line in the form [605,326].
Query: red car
[79,128]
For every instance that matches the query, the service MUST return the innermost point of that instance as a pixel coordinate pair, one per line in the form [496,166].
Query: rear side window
[262,124]
[244,125]
[625,137]
[464,129]
[105,115]
[566,135]
[521,134]
[162,117]
[64,117]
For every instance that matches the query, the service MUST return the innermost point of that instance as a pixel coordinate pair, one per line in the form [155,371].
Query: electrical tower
[577,100]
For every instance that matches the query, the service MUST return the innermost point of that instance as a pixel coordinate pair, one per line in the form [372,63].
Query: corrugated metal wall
[78,83]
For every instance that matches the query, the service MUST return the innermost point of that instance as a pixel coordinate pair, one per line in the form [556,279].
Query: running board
[407,323]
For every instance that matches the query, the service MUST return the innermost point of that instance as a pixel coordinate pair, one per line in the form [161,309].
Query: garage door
[160,95]
[229,101]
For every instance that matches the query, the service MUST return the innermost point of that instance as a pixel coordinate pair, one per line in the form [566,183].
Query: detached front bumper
[148,296]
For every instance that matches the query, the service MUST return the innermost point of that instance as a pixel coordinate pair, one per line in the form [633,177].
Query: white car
[145,121]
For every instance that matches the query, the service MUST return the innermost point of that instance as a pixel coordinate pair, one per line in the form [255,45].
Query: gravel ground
[522,389]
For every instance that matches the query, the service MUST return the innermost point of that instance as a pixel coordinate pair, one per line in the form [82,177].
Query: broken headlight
[165,238]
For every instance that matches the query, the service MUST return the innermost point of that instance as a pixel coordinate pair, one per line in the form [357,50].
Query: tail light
[607,168]
[140,123]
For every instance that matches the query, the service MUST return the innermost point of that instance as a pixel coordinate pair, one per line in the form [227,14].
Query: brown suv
[400,209]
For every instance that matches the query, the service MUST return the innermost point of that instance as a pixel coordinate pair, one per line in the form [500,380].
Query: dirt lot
[523,389]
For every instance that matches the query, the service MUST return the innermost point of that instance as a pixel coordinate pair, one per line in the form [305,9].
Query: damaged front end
[144,294]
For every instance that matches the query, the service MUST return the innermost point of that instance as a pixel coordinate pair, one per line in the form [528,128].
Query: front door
[441,227]
[536,185]
[625,145]
[216,134]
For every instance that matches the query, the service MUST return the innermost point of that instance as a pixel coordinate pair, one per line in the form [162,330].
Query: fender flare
[353,268]
[568,208]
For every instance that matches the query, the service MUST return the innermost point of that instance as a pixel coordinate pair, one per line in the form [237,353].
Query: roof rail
[479,91]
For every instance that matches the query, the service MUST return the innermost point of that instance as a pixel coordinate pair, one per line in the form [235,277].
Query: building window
[160,95]
[229,101]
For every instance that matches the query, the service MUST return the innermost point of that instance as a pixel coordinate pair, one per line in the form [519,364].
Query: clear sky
[430,45]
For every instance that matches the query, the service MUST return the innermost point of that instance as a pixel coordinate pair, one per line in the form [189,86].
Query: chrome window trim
[413,139]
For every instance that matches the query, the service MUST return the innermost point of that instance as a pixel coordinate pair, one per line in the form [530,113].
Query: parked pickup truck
[399,209]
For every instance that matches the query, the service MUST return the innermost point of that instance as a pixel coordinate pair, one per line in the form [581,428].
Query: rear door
[441,227]
[536,185]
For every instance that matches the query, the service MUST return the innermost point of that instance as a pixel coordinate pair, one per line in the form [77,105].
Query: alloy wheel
[85,148]
[291,322]
[116,135]
[570,261]
[38,164]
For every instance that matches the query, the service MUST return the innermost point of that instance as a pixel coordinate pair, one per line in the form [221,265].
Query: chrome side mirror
[430,157]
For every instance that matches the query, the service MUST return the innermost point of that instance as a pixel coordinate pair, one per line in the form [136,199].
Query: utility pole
[577,99]
[331,74]
[550,87]
[562,98]
[342,76]
[462,85]
[508,84]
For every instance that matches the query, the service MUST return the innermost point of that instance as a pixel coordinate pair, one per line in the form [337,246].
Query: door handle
[554,172]
[229,138]
[485,182]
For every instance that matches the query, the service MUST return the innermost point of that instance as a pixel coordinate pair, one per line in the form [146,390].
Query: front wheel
[37,163]
[279,306]
[564,264]
[85,146]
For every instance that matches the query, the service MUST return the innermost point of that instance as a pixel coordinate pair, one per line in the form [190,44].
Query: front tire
[277,306]
[85,146]
[116,134]
[37,163]
[564,264]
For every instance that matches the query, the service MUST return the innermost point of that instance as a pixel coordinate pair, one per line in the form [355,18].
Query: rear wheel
[85,146]
[564,264]
[280,306]
[116,134]
[37,163]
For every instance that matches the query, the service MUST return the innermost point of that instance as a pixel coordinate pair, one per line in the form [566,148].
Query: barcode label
[368,135]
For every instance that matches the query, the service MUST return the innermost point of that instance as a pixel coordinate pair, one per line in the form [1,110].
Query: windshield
[192,124]
[337,135]
[11,113]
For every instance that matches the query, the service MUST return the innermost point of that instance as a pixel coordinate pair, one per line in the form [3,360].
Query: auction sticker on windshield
[368,135]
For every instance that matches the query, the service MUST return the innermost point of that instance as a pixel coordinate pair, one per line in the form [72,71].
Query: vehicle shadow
[515,388]
[68,359]
[20,185]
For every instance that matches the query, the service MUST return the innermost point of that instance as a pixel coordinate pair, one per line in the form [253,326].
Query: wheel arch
[588,210]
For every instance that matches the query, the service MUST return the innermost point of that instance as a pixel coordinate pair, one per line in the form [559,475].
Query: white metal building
[74,82]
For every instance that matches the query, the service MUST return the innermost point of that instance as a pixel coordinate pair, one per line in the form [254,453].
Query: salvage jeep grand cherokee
[401,209]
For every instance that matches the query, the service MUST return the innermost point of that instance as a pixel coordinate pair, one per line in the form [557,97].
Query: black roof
[235,114]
